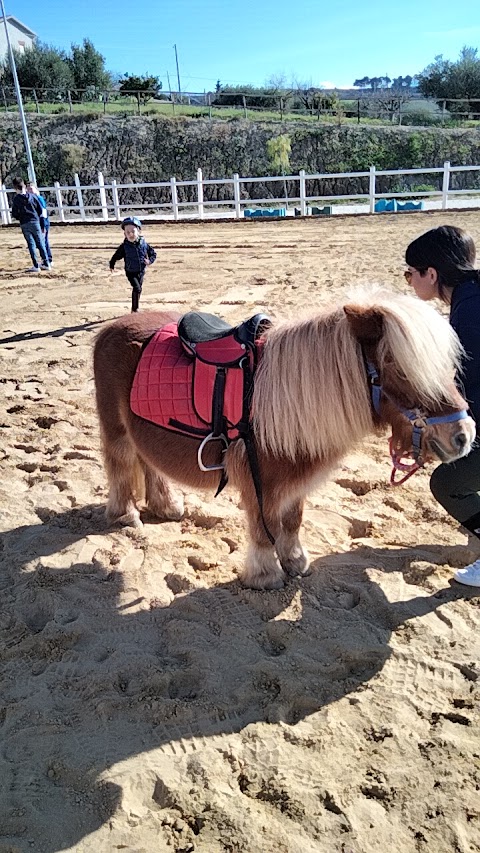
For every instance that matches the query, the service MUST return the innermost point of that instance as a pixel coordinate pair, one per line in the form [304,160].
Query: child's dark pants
[136,281]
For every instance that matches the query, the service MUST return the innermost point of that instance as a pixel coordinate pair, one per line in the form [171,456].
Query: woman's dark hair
[18,183]
[450,251]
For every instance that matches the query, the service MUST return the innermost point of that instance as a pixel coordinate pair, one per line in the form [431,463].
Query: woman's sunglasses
[408,273]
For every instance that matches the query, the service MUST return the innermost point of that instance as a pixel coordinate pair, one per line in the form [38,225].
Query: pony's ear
[366,323]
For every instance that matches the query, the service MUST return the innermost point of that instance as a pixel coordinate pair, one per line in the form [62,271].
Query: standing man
[28,210]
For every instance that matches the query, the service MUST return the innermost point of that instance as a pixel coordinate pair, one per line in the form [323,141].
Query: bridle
[418,419]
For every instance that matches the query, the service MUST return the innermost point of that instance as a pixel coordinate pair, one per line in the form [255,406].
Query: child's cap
[131,220]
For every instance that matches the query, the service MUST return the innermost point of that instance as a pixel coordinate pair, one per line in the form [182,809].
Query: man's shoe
[470,575]
[33,269]
[45,266]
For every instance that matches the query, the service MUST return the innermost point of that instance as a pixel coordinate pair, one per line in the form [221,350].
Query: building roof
[18,24]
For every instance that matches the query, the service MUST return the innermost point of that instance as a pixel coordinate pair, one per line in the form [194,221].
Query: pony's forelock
[422,343]
[311,390]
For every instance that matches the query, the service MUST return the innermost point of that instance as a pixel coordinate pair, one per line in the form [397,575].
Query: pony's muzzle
[453,446]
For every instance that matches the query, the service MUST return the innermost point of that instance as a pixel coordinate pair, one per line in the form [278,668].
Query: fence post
[36,100]
[173,187]
[445,184]
[69,97]
[4,209]
[116,206]
[58,196]
[200,193]
[4,100]
[236,196]
[244,106]
[79,196]
[371,189]
[303,194]
[103,197]
[209,105]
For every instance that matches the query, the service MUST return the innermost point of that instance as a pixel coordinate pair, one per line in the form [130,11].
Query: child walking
[137,255]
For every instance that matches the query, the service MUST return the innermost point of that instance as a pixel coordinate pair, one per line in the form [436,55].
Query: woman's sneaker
[470,575]
[33,269]
[44,266]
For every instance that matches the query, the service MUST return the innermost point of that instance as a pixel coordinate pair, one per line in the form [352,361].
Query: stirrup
[205,441]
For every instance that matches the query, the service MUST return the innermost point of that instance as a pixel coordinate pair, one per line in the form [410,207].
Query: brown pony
[324,382]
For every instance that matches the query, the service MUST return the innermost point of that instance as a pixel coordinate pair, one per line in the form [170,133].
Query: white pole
[103,197]
[4,205]
[116,205]
[445,184]
[173,186]
[58,196]
[31,167]
[371,189]
[79,196]
[303,194]
[200,193]
[236,195]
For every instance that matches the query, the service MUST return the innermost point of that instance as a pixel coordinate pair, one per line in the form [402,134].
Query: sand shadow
[53,333]
[93,673]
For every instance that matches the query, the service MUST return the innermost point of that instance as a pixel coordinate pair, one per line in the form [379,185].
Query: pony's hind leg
[160,498]
[292,555]
[125,479]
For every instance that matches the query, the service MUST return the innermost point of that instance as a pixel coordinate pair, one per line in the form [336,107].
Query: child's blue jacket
[135,255]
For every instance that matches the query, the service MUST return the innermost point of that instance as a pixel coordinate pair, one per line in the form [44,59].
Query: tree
[445,80]
[402,82]
[43,68]
[362,82]
[144,88]
[88,68]
[278,151]
[389,102]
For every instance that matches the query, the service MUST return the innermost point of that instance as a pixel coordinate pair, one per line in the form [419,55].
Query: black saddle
[197,327]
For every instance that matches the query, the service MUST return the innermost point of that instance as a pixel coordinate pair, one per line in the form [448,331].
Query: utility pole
[31,167]
[178,72]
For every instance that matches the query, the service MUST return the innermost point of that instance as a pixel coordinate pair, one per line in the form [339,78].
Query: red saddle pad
[171,389]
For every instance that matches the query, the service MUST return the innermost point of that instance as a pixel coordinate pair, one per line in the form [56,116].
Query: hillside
[144,149]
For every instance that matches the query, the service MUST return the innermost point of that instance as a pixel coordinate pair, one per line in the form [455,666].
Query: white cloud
[327,84]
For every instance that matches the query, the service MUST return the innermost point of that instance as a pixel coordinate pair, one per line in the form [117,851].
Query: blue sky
[249,41]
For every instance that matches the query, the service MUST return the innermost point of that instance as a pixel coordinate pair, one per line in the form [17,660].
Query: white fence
[109,205]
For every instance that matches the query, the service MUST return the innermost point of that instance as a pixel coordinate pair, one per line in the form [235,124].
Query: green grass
[128,106]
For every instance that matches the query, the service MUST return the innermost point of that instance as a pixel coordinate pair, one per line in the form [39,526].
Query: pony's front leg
[293,557]
[262,568]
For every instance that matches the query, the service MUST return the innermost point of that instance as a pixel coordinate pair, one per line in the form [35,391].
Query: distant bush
[421,118]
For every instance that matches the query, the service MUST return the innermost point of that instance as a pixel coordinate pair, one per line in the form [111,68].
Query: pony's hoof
[262,583]
[130,519]
[262,569]
[174,511]
[297,565]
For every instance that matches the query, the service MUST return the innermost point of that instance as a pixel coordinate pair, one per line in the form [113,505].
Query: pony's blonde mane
[311,396]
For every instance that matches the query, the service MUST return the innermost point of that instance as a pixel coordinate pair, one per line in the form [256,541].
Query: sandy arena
[148,702]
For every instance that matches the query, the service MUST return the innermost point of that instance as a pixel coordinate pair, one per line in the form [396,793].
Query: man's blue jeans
[34,237]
